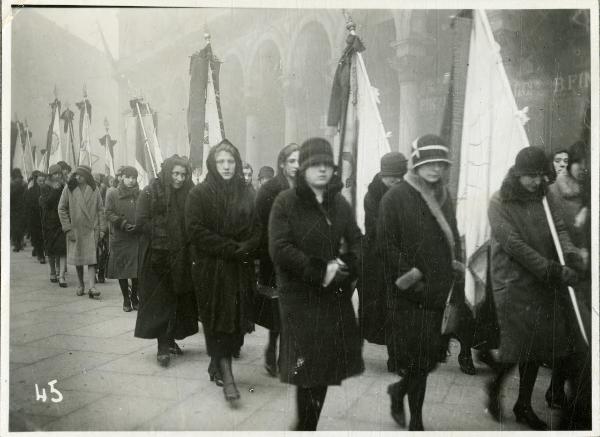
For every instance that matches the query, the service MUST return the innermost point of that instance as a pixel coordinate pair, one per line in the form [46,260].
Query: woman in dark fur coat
[529,284]
[419,240]
[314,244]
[223,228]
[167,307]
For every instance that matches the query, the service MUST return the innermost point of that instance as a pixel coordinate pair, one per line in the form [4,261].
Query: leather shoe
[525,414]
[466,364]
[397,405]
[556,400]
[493,404]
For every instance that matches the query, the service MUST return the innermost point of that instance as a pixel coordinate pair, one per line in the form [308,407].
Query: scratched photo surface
[299,219]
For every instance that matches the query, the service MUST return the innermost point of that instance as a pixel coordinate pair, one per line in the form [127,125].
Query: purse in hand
[451,318]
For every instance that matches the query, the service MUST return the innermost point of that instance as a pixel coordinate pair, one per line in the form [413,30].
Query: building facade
[278,66]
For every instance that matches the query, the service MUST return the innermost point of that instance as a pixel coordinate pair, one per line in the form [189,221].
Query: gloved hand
[568,276]
[337,271]
[242,253]
[416,293]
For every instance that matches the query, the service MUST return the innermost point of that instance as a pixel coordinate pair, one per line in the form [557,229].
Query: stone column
[410,62]
[252,127]
[291,94]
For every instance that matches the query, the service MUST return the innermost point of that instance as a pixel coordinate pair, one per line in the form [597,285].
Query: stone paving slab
[111,381]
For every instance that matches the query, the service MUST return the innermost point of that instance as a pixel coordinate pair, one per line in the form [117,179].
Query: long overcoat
[17,208]
[81,212]
[55,242]
[530,303]
[417,231]
[224,279]
[33,213]
[320,339]
[371,286]
[123,254]
[166,291]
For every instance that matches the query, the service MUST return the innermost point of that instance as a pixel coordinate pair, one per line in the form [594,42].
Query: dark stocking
[494,388]
[527,376]
[416,386]
[134,288]
[310,402]
[124,284]
[80,275]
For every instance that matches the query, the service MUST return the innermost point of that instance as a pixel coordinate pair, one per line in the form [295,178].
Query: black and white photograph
[343,216]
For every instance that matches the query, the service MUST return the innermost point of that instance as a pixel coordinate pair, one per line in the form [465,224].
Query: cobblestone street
[110,380]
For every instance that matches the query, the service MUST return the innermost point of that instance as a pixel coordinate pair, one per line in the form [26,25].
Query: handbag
[451,317]
[266,307]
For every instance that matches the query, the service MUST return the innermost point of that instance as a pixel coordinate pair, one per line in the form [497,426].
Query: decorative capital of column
[413,57]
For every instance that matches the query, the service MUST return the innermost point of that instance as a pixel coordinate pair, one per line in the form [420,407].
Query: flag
[361,140]
[18,154]
[85,144]
[141,137]
[71,148]
[28,163]
[492,135]
[54,147]
[205,119]
[109,157]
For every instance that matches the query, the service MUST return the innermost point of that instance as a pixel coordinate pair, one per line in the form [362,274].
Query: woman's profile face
[560,162]
[225,164]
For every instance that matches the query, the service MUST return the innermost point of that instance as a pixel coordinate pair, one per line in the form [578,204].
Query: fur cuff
[409,279]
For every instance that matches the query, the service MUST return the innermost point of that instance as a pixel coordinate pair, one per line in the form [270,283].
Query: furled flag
[18,160]
[109,157]
[28,163]
[54,148]
[140,138]
[492,135]
[85,120]
[361,139]
[205,119]
[71,148]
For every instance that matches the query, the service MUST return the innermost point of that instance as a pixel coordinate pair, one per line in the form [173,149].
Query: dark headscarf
[235,200]
[165,179]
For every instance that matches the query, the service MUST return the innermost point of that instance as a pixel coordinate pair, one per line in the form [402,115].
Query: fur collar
[435,196]
[567,186]
[512,190]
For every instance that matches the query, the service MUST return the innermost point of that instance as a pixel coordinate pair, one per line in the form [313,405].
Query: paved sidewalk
[110,380]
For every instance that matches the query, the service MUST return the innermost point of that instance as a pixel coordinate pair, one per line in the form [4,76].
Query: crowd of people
[288,254]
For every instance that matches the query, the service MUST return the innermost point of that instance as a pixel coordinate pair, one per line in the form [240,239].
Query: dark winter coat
[417,230]
[17,208]
[320,339]
[264,202]
[120,208]
[33,213]
[55,242]
[222,226]
[531,305]
[165,284]
[371,287]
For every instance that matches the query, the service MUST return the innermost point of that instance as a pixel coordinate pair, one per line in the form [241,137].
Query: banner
[28,163]
[85,143]
[109,156]
[54,149]
[71,148]
[492,135]
[361,140]
[205,120]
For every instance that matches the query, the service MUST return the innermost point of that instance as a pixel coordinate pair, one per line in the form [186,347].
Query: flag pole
[137,107]
[561,258]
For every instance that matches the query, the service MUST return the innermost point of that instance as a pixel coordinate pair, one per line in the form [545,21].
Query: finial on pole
[84,91]
[106,124]
[207,37]
[350,24]
[55,92]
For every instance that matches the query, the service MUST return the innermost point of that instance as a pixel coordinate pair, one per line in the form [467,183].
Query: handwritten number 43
[42,396]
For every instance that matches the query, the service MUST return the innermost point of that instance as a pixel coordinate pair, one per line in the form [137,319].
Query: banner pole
[561,258]
[137,106]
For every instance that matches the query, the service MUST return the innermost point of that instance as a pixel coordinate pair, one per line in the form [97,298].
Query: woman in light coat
[82,218]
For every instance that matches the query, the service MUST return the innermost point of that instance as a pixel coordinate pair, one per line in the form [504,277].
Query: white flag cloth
[492,135]
[212,132]
[372,139]
[85,148]
[56,147]
[19,156]
[28,163]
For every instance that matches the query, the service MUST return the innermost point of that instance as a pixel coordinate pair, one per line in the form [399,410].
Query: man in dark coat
[268,307]
[419,240]
[167,308]
[17,209]
[529,284]
[371,287]
[34,215]
[223,228]
[314,244]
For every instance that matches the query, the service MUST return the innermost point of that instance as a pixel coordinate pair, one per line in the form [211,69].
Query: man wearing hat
[420,246]
[371,289]
[265,174]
